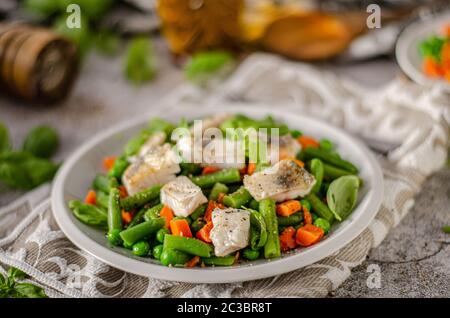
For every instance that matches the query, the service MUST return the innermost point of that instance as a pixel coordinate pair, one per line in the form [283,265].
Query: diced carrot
[445,57]
[251,168]
[204,233]
[108,162]
[447,76]
[127,217]
[307,217]
[308,235]
[220,197]
[210,208]
[123,191]
[192,262]
[243,170]
[288,207]
[166,213]
[180,228]
[91,197]
[287,240]
[431,68]
[307,141]
[209,169]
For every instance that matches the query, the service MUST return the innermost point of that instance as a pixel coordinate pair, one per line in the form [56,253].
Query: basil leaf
[28,290]
[139,62]
[89,214]
[16,273]
[205,64]
[342,195]
[41,141]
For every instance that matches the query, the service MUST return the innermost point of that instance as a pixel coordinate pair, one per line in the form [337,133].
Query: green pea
[114,237]
[157,251]
[326,144]
[250,254]
[170,256]
[141,248]
[306,204]
[323,224]
[160,234]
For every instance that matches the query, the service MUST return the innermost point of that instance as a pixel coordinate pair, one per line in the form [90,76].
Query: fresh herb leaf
[10,288]
[446,229]
[139,61]
[342,195]
[107,43]
[205,64]
[5,142]
[16,273]
[27,290]
[41,141]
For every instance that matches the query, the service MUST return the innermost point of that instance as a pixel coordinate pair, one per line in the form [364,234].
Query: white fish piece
[288,147]
[224,153]
[158,166]
[182,196]
[284,181]
[231,230]
[156,139]
[190,149]
[213,121]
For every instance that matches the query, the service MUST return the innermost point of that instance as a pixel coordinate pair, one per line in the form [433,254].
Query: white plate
[407,47]
[75,178]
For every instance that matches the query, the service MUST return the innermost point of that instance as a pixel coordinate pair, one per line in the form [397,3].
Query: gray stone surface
[414,258]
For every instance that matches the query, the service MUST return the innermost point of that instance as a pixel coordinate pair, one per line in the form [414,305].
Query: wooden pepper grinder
[36,63]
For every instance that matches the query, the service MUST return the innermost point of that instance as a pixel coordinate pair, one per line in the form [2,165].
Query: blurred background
[79,66]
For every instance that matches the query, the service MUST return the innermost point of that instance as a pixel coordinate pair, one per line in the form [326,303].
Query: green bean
[139,199]
[160,234]
[153,212]
[216,190]
[316,168]
[290,220]
[188,168]
[311,153]
[114,211]
[117,170]
[141,231]
[272,246]
[102,199]
[188,219]
[219,261]
[197,225]
[326,145]
[104,183]
[170,256]
[198,212]
[141,248]
[138,218]
[134,144]
[223,176]
[250,254]
[89,214]
[330,172]
[157,251]
[114,217]
[320,208]
[257,221]
[254,205]
[188,245]
[238,198]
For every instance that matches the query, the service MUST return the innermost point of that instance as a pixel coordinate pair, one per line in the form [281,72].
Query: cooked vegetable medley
[435,51]
[182,201]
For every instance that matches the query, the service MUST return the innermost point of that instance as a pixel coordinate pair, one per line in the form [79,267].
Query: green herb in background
[42,141]
[5,142]
[11,288]
[107,43]
[204,64]
[139,61]
[93,9]
[446,229]
[23,169]
[45,8]
[432,47]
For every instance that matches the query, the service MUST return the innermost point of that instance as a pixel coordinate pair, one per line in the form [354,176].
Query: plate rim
[269,268]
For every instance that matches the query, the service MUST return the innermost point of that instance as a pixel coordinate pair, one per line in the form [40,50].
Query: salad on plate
[219,191]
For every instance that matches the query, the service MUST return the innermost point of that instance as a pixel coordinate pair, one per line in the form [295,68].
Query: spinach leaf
[342,195]
[89,214]
[27,290]
[205,64]
[41,141]
[139,62]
